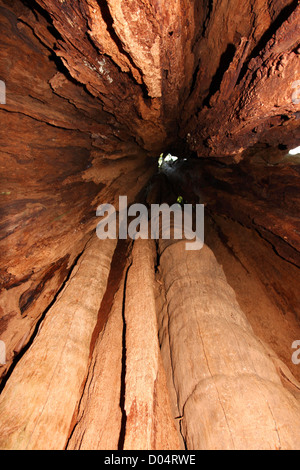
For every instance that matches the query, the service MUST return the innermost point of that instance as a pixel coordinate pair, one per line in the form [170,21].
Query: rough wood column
[149,423]
[228,389]
[39,399]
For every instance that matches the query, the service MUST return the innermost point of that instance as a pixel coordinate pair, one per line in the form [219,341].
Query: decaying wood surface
[149,423]
[39,399]
[228,389]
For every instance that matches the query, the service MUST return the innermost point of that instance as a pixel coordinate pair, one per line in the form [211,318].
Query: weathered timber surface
[40,397]
[229,392]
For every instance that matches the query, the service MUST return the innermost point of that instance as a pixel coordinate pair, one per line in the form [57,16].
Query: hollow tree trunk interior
[141,344]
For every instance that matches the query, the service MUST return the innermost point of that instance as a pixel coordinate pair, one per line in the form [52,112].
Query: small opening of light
[160,160]
[295,151]
[170,158]
[167,159]
[180,200]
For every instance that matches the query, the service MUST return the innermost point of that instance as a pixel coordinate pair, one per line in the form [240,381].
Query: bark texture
[125,403]
[99,420]
[229,394]
[39,400]
[149,424]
